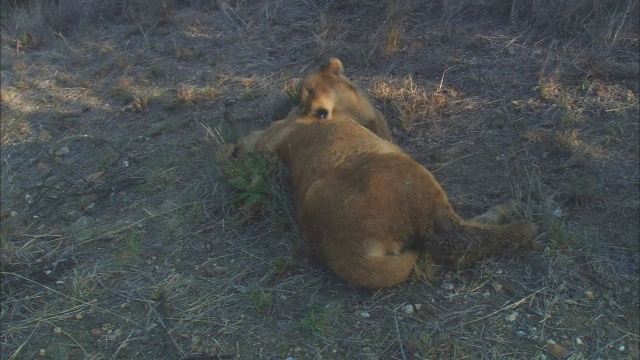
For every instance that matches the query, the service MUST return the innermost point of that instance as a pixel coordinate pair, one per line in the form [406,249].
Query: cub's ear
[333,66]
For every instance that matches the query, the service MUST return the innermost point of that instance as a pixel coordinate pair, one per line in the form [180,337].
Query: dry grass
[128,233]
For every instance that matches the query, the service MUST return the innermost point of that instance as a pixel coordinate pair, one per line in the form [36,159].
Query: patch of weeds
[568,142]
[279,265]
[315,320]
[122,90]
[249,177]
[580,191]
[133,245]
[59,352]
[83,285]
[291,89]
[561,237]
[260,300]
[565,115]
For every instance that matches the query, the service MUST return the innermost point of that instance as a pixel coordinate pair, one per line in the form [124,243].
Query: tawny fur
[327,91]
[367,209]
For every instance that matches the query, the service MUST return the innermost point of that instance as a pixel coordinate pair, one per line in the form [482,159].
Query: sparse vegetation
[128,232]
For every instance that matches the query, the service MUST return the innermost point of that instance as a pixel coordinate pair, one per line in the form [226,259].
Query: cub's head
[322,91]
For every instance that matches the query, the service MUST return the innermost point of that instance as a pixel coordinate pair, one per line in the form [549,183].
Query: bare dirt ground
[122,237]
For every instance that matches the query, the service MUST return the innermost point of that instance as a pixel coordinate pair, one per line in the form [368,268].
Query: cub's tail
[463,242]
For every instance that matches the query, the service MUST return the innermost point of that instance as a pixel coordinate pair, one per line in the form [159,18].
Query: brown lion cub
[367,209]
[327,91]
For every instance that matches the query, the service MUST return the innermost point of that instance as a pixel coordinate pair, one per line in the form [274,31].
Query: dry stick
[512,306]
[395,318]
[454,160]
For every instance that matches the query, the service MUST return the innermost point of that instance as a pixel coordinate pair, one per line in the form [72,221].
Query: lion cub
[327,91]
[367,209]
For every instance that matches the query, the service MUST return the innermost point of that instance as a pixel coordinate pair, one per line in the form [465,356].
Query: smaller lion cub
[367,209]
[328,91]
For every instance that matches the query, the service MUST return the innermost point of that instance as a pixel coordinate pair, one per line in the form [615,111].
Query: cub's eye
[311,91]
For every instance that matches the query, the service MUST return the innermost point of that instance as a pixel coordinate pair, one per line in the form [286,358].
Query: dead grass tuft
[413,103]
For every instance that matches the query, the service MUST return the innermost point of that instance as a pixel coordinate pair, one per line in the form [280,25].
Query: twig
[512,306]
[395,318]
[454,160]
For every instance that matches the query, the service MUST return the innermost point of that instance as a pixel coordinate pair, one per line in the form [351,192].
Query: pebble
[79,317]
[589,294]
[556,350]
[511,317]
[579,342]
[409,309]
[42,352]
[365,314]
[57,330]
[621,348]
[62,151]
[497,287]
[521,333]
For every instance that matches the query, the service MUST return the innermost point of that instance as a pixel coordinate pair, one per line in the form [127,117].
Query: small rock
[589,294]
[79,317]
[366,349]
[497,287]
[521,333]
[13,213]
[365,314]
[57,330]
[62,151]
[407,309]
[556,350]
[621,348]
[28,198]
[511,317]
[579,342]
[42,352]
[125,163]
